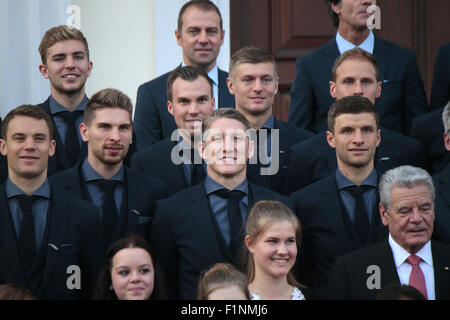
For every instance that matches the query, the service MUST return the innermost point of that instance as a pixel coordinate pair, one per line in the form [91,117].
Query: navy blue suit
[314,159]
[442,206]
[440,91]
[402,96]
[326,235]
[152,120]
[429,129]
[348,279]
[141,194]
[186,241]
[71,238]
[60,160]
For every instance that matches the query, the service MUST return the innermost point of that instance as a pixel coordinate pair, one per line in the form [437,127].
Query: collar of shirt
[212,186]
[342,182]
[56,107]
[400,254]
[269,124]
[91,175]
[345,45]
[12,190]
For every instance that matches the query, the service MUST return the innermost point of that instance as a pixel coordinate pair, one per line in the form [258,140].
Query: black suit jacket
[325,236]
[429,129]
[142,193]
[185,240]
[60,160]
[348,279]
[288,136]
[152,120]
[440,91]
[442,206]
[73,239]
[314,159]
[402,96]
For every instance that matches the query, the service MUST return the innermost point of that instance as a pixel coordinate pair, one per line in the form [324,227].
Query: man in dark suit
[440,91]
[127,198]
[200,35]
[65,62]
[253,81]
[339,212]
[355,72]
[442,184]
[428,129]
[403,97]
[175,160]
[49,242]
[408,256]
[203,225]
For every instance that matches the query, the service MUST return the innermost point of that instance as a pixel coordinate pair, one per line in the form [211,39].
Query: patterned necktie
[27,234]
[416,278]
[71,141]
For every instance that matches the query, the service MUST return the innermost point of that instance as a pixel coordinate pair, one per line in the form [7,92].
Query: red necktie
[416,278]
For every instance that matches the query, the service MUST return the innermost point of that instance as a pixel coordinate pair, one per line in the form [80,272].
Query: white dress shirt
[345,45]
[404,268]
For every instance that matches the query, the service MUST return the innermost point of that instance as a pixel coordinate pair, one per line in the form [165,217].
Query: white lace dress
[296,295]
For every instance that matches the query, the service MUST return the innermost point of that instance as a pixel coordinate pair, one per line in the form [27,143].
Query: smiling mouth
[71,76]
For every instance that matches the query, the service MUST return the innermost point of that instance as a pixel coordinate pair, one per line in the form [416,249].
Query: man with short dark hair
[204,224]
[126,197]
[200,35]
[46,234]
[175,159]
[403,97]
[339,212]
[408,256]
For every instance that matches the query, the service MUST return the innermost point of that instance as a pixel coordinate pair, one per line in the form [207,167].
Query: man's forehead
[107,115]
[255,69]
[349,119]
[27,125]
[194,12]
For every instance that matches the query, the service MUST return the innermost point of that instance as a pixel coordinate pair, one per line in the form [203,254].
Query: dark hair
[351,105]
[107,98]
[333,15]
[221,275]
[251,55]
[187,73]
[395,291]
[355,53]
[103,291]
[227,113]
[204,5]
[27,110]
[13,291]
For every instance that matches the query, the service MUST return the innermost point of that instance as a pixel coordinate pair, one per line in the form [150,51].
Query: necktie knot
[356,191]
[70,117]
[26,202]
[413,260]
[234,196]
[107,186]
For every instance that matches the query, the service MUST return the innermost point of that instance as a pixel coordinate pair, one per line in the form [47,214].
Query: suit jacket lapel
[9,251]
[387,265]
[176,173]
[441,266]
[330,157]
[381,53]
[133,194]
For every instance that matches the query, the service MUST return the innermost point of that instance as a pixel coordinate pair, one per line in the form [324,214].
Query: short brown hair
[107,98]
[251,55]
[187,73]
[355,53]
[221,275]
[204,5]
[351,105]
[228,113]
[57,34]
[27,110]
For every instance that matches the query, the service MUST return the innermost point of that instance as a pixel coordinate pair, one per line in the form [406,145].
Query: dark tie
[26,235]
[197,173]
[416,277]
[71,141]
[109,208]
[361,218]
[234,217]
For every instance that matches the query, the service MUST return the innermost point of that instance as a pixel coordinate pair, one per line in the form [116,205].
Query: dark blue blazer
[402,96]
[314,159]
[73,239]
[442,206]
[348,279]
[440,91]
[142,193]
[429,129]
[325,235]
[288,136]
[60,160]
[185,240]
[152,120]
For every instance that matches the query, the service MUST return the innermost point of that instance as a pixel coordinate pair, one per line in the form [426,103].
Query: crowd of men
[362,160]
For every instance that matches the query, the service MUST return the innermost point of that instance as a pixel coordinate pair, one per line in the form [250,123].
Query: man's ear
[332,89]
[230,85]
[383,214]
[3,148]
[170,107]
[84,132]
[43,70]
[179,38]
[447,141]
[52,149]
[330,139]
